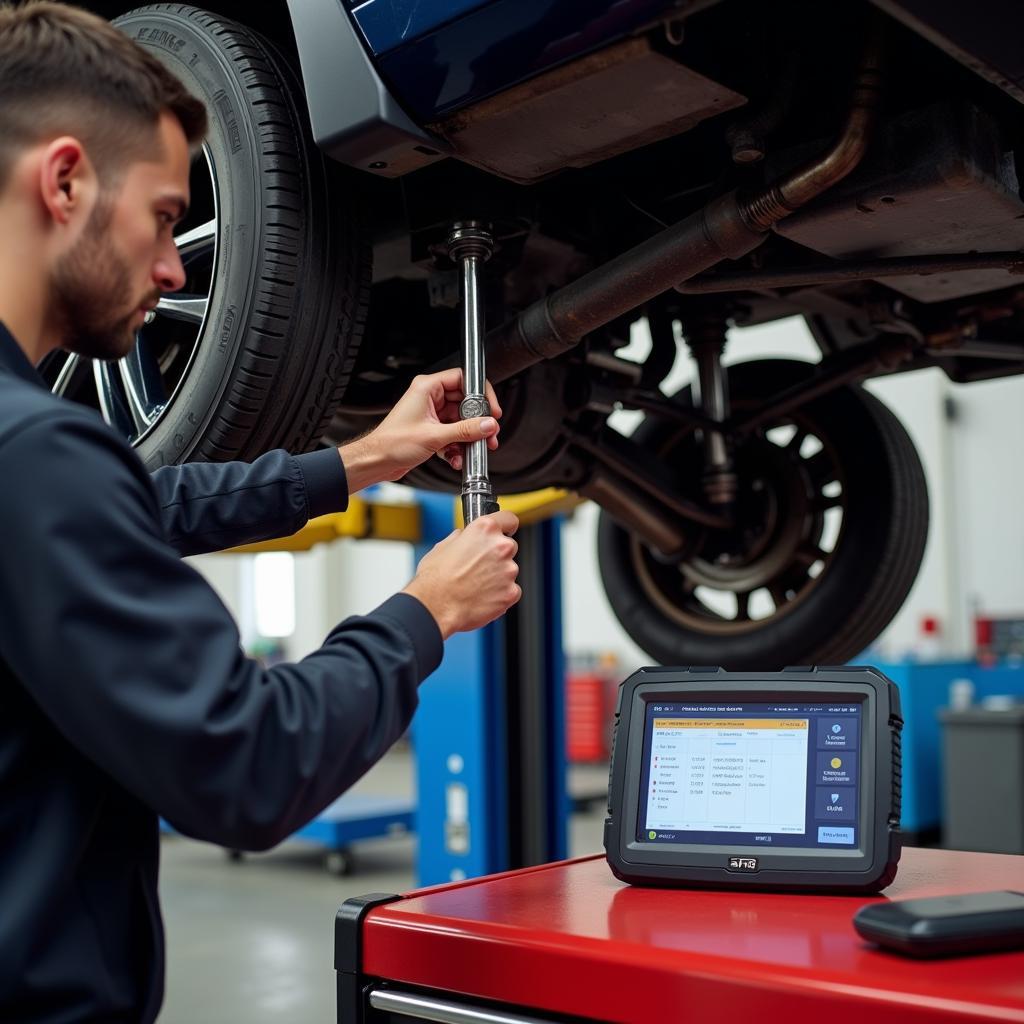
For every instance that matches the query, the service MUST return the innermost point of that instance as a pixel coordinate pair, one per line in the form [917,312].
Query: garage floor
[253,941]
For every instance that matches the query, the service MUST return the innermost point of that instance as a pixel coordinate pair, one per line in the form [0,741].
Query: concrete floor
[253,940]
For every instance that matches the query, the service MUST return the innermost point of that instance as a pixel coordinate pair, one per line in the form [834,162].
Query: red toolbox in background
[591,683]
[568,942]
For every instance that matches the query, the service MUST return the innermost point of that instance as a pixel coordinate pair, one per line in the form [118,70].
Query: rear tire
[868,467]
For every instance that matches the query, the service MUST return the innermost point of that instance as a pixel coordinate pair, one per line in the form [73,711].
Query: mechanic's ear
[67,181]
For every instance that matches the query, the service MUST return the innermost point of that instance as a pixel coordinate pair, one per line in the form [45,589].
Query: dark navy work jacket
[124,694]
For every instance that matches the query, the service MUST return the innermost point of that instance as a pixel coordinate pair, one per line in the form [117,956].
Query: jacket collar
[15,361]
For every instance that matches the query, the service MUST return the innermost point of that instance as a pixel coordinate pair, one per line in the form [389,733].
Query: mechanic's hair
[64,71]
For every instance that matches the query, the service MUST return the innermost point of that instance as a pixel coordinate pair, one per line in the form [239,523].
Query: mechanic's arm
[134,659]
[210,506]
[207,506]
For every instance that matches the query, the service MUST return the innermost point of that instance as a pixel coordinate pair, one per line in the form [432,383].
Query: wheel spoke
[826,501]
[111,402]
[67,372]
[743,606]
[199,241]
[796,441]
[687,584]
[820,468]
[143,387]
[808,553]
[791,582]
[778,592]
[190,308]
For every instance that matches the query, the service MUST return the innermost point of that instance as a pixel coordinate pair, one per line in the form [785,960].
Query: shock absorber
[706,338]
[470,245]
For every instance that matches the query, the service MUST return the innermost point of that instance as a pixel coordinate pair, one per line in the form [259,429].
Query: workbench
[567,941]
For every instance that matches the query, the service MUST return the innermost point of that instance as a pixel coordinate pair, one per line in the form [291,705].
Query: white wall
[987,452]
[332,581]
[349,577]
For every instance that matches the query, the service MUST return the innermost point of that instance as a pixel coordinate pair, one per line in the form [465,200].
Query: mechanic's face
[125,258]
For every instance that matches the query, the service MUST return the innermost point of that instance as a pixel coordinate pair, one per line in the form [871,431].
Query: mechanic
[124,694]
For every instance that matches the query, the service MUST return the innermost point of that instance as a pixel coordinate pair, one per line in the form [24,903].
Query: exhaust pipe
[727,228]
[808,182]
[557,323]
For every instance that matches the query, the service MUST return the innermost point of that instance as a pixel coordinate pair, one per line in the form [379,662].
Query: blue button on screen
[827,834]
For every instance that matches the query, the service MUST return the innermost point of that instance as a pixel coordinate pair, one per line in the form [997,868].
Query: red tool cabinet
[567,941]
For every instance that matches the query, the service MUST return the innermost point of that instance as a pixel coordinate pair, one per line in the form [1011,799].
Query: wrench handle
[470,246]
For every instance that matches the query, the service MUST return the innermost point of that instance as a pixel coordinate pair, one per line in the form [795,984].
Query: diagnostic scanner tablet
[774,780]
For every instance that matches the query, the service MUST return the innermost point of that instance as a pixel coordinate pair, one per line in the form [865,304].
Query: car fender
[354,117]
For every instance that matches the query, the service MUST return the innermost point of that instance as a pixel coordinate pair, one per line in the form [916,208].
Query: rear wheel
[831,523]
[256,350]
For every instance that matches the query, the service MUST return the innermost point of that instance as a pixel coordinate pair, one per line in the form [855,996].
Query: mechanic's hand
[469,579]
[424,422]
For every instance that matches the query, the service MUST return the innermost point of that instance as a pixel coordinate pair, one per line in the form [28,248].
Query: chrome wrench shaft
[470,245]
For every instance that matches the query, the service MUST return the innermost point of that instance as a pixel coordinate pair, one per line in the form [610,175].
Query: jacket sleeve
[210,506]
[134,659]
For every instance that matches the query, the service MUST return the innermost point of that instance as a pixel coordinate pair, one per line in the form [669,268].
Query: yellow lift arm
[367,519]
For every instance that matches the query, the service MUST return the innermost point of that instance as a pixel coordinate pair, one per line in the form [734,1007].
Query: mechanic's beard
[88,282]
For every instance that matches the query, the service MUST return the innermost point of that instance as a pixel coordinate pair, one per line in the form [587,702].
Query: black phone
[976,922]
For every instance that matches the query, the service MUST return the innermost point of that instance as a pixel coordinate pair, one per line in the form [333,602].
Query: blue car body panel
[387,24]
[467,50]
[353,115]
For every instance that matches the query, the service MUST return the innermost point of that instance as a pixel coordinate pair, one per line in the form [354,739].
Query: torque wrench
[470,245]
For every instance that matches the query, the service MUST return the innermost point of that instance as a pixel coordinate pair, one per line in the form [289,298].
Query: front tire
[257,352]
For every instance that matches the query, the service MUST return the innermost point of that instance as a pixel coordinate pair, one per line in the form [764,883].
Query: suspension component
[470,245]
[706,338]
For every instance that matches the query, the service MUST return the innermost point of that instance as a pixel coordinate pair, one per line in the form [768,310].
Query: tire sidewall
[194,57]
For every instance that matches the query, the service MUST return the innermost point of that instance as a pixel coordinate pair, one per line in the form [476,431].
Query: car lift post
[489,734]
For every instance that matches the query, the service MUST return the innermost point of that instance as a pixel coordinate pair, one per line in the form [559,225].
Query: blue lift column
[489,734]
